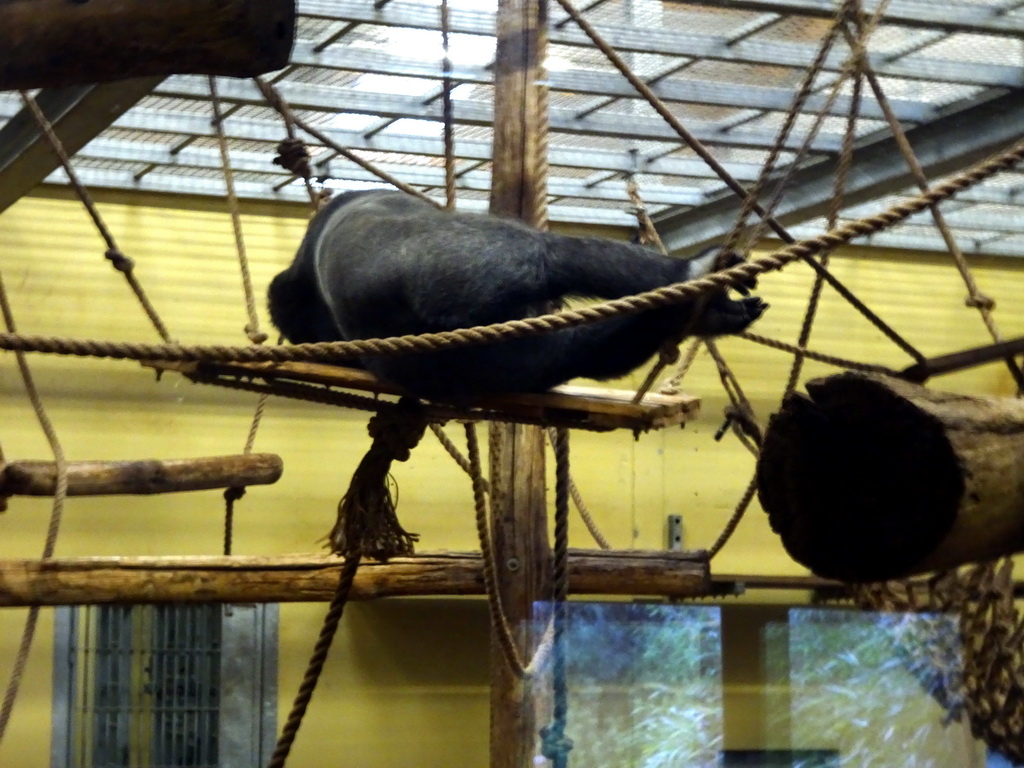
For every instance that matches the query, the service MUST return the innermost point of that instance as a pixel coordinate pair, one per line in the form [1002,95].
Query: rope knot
[234,493]
[119,261]
[367,522]
[256,336]
[554,744]
[980,301]
[293,156]
[741,419]
[396,431]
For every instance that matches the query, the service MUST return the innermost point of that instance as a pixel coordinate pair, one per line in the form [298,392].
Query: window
[156,686]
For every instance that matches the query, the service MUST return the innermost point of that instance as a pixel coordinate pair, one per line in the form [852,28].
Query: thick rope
[750,436]
[835,205]
[367,519]
[236,492]
[850,68]
[447,111]
[555,745]
[742,418]
[687,291]
[734,519]
[668,353]
[453,451]
[56,515]
[293,155]
[742,409]
[120,262]
[672,385]
[316,662]
[252,329]
[363,526]
[539,169]
[499,619]
[275,100]
[820,357]
[577,498]
[729,180]
[751,198]
[975,297]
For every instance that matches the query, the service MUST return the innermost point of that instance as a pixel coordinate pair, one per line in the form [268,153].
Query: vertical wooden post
[518,517]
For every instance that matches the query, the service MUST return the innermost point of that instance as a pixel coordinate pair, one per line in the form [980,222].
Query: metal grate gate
[157,686]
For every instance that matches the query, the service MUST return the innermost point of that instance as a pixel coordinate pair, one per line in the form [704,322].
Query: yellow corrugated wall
[403,686]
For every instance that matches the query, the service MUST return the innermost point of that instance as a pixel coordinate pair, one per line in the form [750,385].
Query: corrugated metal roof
[371,77]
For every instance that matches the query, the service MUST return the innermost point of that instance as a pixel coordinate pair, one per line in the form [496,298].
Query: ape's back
[390,264]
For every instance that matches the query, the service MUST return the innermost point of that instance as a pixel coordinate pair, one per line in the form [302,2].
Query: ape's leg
[606,269]
[585,266]
[612,348]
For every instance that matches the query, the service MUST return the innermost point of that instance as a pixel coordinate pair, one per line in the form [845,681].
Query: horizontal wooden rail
[148,476]
[96,580]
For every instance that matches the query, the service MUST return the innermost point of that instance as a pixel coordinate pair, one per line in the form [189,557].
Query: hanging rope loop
[366,514]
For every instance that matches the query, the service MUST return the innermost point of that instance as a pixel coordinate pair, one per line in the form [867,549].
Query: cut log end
[860,483]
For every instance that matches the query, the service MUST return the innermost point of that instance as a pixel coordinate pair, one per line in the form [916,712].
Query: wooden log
[872,478]
[305,578]
[519,526]
[149,476]
[59,42]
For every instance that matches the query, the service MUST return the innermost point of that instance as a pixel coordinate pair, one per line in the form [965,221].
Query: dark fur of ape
[382,263]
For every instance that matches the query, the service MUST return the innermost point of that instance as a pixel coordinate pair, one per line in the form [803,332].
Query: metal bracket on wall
[674,530]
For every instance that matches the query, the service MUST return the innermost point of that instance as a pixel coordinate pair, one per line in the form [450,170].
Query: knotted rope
[56,515]
[120,262]
[277,102]
[316,662]
[366,525]
[555,745]
[366,514]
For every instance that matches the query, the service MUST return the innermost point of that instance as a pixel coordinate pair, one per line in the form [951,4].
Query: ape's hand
[723,315]
[728,259]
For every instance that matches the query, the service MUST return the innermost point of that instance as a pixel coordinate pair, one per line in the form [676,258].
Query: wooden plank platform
[594,408]
[313,578]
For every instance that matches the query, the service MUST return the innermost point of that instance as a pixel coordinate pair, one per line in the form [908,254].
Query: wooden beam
[50,43]
[77,113]
[305,578]
[579,407]
[519,526]
[959,361]
[872,478]
[148,476]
